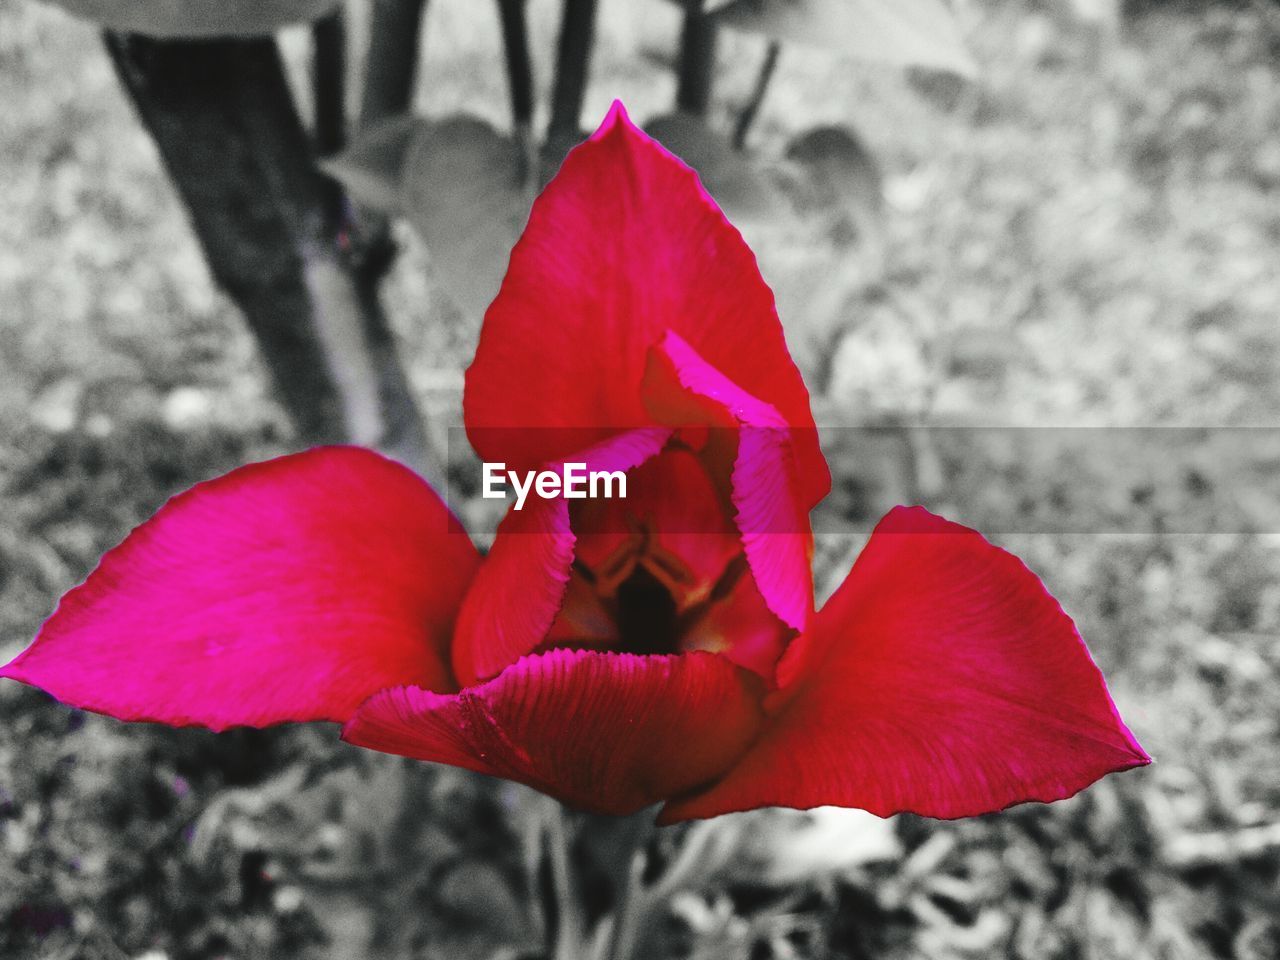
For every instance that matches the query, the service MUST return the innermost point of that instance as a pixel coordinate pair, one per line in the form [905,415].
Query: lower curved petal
[941,679]
[285,590]
[605,732]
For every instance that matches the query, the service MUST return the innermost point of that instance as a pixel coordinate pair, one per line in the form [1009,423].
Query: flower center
[664,572]
[646,615]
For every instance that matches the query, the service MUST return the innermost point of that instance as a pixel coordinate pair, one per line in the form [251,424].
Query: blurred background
[1085,231]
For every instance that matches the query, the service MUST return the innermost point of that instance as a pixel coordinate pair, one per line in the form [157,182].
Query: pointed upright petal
[941,679]
[606,732]
[622,245]
[285,590]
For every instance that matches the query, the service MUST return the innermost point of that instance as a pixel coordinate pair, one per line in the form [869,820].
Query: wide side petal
[285,590]
[940,679]
[514,599]
[623,244]
[605,732]
[767,485]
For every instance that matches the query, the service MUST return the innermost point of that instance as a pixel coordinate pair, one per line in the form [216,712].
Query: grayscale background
[1044,301]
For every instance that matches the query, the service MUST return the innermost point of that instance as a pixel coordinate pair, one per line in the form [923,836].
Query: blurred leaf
[57,407]
[941,88]
[458,181]
[349,923]
[787,846]
[197,18]
[554,150]
[235,809]
[979,352]
[372,167]
[464,191]
[1258,939]
[1104,13]
[840,175]
[831,247]
[479,896]
[731,177]
[831,839]
[1190,850]
[922,33]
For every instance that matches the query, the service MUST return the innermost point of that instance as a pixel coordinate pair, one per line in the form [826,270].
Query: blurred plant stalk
[623,846]
[573,62]
[277,235]
[696,74]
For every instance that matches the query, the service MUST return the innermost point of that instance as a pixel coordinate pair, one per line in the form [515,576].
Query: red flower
[613,653]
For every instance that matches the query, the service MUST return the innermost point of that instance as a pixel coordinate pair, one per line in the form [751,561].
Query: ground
[1085,237]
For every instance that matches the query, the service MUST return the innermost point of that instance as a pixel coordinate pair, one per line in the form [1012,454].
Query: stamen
[582,570]
[724,585]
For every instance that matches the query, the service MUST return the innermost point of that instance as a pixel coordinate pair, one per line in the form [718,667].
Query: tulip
[661,648]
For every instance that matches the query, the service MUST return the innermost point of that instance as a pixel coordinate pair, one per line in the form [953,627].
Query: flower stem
[569,926]
[573,55]
[751,108]
[692,857]
[391,64]
[633,906]
[702,851]
[697,60]
[515,45]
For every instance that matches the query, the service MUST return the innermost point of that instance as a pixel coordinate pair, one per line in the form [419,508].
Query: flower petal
[767,484]
[623,244]
[515,596]
[941,679]
[606,732]
[285,590]
[511,605]
[741,627]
